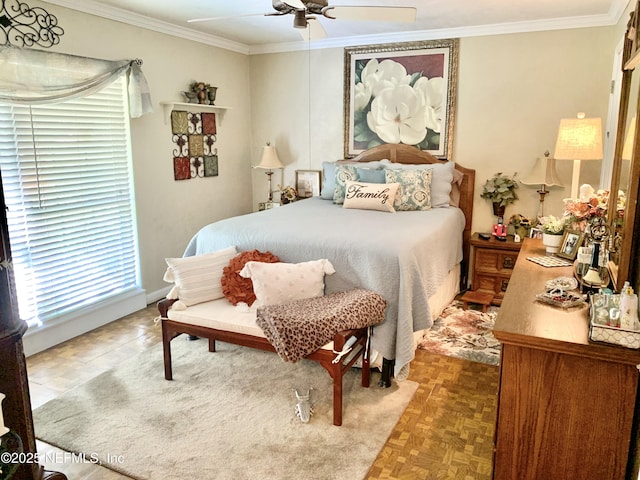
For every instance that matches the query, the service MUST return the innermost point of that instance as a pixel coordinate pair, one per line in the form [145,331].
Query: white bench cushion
[220,314]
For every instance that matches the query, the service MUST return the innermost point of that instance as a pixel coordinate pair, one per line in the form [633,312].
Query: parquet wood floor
[446,432]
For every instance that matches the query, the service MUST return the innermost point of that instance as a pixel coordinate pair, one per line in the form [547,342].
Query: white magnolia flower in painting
[379,76]
[397,115]
[362,96]
[433,91]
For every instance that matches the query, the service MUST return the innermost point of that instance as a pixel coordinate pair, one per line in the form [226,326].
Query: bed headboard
[399,153]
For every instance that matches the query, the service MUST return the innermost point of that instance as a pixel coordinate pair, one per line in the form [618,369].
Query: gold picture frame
[571,242]
[308,183]
[422,74]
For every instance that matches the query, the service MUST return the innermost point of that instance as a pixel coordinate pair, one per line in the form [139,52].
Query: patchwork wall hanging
[194,136]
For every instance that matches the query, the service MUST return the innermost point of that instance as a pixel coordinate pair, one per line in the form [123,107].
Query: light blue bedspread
[404,256]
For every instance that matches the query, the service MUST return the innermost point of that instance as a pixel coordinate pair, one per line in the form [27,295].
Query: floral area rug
[466,334]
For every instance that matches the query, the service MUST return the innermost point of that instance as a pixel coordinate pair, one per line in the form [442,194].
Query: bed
[416,260]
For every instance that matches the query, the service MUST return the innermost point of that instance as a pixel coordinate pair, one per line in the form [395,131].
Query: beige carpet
[226,415]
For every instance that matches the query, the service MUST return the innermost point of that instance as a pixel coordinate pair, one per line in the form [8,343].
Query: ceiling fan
[306,13]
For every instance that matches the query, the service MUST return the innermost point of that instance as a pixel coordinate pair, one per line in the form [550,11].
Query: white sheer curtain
[31,77]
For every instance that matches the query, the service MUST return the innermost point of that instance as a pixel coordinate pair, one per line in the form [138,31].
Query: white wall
[512,92]
[169,212]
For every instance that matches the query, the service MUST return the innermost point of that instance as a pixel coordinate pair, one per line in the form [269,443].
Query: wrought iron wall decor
[23,26]
[194,135]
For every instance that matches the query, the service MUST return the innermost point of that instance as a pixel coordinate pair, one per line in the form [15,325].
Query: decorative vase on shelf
[551,242]
[498,210]
[211,95]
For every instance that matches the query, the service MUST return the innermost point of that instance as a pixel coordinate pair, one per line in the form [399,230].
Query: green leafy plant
[500,189]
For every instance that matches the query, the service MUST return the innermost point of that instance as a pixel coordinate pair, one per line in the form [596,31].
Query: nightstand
[493,263]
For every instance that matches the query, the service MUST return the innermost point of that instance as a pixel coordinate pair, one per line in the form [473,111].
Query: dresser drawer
[494,260]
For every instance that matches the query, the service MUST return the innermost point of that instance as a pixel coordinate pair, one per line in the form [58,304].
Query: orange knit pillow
[236,288]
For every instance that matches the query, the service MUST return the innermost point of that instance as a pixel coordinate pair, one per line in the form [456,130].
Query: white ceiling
[435,19]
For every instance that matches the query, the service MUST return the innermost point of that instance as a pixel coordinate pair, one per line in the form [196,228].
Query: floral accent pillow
[415,188]
[236,288]
[344,174]
[371,196]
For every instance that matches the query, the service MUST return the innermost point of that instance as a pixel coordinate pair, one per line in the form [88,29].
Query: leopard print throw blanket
[299,328]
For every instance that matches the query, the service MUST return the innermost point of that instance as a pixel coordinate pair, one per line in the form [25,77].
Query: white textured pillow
[198,279]
[370,196]
[275,283]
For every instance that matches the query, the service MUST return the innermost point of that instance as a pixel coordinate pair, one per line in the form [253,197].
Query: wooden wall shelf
[168,107]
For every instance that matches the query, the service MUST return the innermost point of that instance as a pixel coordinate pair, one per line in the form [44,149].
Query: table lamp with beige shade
[579,139]
[544,174]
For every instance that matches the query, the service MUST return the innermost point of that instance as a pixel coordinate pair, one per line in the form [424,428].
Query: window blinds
[67,179]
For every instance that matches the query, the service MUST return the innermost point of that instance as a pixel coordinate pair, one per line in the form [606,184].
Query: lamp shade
[269,159]
[579,139]
[629,139]
[543,173]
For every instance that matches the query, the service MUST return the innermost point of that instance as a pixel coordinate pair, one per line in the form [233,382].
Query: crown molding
[137,20]
[460,32]
[616,10]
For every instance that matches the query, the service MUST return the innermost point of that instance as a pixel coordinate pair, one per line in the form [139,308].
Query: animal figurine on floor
[304,409]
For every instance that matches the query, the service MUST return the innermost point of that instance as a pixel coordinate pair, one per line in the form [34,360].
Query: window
[67,178]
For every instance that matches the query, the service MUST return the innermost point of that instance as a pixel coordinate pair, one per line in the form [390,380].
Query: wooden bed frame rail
[172,329]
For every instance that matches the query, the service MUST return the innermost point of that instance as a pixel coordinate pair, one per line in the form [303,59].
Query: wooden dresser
[565,404]
[493,263]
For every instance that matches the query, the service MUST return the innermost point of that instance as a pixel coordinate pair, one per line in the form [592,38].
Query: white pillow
[275,283]
[370,196]
[198,279]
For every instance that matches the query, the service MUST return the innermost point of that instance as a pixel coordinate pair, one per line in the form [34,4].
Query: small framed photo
[571,242]
[535,233]
[308,183]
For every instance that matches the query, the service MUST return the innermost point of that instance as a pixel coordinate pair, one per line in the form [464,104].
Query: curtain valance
[29,77]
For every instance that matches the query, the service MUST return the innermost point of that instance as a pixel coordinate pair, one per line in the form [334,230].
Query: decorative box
[615,335]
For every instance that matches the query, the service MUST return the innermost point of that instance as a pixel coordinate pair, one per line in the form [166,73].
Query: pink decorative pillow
[238,289]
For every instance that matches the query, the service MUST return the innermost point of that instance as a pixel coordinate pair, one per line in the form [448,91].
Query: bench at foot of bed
[219,320]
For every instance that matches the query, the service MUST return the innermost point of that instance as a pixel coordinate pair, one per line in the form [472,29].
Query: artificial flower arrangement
[552,225]
[287,194]
[592,203]
[521,224]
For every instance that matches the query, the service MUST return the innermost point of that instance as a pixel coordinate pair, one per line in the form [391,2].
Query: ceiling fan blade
[314,30]
[380,14]
[295,4]
[210,19]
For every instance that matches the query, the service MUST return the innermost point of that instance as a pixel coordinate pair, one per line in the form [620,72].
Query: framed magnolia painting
[401,93]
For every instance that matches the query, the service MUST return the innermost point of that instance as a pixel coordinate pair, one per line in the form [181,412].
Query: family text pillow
[275,283]
[415,188]
[370,196]
[197,278]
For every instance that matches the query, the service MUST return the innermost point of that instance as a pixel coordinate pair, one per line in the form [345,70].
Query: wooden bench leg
[166,347]
[366,368]
[212,345]
[337,397]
